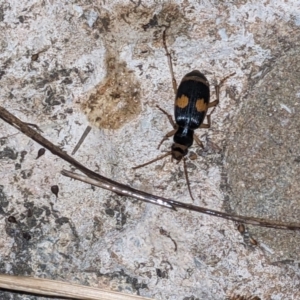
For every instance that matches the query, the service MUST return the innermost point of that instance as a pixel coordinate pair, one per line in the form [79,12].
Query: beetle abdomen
[192,100]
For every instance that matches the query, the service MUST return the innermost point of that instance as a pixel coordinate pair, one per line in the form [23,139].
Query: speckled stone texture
[66,65]
[263,156]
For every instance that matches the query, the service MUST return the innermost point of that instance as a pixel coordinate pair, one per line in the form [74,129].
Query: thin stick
[187,178]
[127,190]
[85,134]
[57,288]
[122,188]
[211,212]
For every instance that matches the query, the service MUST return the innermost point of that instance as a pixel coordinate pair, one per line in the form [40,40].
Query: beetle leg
[169,134]
[217,88]
[152,161]
[208,121]
[198,140]
[169,117]
[216,102]
[169,62]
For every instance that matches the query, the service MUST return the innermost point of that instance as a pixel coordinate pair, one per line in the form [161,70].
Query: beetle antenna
[187,178]
[174,83]
[153,160]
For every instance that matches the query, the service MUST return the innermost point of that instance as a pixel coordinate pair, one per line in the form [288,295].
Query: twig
[122,188]
[85,134]
[215,213]
[57,288]
[119,188]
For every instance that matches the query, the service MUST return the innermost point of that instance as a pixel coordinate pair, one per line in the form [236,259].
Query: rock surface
[68,65]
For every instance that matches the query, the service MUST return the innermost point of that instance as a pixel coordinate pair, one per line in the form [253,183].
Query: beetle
[192,102]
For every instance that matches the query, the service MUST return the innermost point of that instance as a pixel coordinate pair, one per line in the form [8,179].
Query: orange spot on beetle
[182,102]
[201,105]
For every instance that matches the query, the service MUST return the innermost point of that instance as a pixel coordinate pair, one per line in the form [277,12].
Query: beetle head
[179,151]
